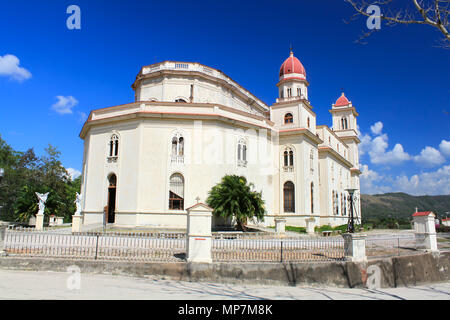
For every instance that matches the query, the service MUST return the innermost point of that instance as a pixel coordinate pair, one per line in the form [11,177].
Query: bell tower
[292,83]
[345,127]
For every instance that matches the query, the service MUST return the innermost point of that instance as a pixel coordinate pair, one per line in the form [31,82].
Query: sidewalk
[54,285]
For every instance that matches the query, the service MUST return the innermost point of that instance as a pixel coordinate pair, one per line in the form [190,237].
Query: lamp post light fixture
[351,220]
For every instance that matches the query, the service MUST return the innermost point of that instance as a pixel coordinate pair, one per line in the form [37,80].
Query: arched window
[289,92]
[242,153]
[308,122]
[180,100]
[114,146]
[288,118]
[299,92]
[288,157]
[176,192]
[178,148]
[344,123]
[111,207]
[333,202]
[311,161]
[289,197]
[312,197]
[337,203]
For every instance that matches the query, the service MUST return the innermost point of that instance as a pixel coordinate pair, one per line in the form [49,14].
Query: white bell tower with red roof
[346,128]
[292,81]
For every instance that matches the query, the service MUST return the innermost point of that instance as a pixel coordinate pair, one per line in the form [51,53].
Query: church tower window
[177,148]
[288,118]
[113,148]
[288,159]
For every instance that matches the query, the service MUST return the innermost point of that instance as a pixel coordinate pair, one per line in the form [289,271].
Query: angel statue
[42,199]
[78,204]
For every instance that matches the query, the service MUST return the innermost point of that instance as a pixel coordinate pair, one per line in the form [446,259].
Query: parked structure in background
[446,222]
[145,162]
[55,221]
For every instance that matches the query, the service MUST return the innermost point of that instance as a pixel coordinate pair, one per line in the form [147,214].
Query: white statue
[42,199]
[78,203]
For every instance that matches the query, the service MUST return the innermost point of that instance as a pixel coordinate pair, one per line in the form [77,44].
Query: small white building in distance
[147,161]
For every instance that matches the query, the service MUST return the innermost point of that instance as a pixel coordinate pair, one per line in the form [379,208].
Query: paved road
[54,285]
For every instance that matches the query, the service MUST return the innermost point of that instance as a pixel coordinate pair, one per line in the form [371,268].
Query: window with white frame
[242,153]
[177,154]
[113,148]
[288,160]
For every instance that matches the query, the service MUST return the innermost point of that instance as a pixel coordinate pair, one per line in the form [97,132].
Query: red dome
[342,101]
[292,65]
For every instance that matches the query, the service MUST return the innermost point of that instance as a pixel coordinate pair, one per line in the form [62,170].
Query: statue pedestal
[39,222]
[310,224]
[280,225]
[355,247]
[77,221]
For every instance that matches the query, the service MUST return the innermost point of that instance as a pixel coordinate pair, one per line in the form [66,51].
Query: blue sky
[399,81]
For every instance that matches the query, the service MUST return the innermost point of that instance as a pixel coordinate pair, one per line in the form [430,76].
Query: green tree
[26,174]
[234,198]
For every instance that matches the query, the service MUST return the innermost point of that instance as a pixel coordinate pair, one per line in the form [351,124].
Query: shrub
[442,228]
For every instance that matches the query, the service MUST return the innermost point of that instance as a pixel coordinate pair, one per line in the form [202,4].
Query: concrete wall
[395,272]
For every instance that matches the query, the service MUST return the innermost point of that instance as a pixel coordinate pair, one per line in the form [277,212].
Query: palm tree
[233,197]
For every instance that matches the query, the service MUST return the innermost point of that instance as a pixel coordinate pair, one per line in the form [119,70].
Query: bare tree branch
[434,13]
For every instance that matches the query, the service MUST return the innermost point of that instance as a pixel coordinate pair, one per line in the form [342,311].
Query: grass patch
[296,229]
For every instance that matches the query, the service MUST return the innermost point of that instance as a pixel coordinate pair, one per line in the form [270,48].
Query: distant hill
[402,205]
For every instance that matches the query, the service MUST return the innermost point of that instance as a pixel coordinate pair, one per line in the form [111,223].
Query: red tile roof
[292,65]
[342,101]
[424,213]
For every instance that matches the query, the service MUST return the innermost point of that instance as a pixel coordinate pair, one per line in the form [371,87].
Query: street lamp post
[2,173]
[351,220]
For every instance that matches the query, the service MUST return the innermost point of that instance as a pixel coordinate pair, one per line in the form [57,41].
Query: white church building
[145,162]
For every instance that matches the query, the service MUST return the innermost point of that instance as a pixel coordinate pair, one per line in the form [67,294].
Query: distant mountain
[402,205]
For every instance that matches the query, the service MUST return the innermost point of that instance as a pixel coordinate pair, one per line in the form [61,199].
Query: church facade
[145,162]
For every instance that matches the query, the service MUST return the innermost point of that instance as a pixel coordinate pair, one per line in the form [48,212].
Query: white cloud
[424,183]
[74,173]
[445,147]
[83,116]
[9,66]
[427,183]
[64,104]
[376,128]
[429,157]
[368,181]
[377,147]
[379,155]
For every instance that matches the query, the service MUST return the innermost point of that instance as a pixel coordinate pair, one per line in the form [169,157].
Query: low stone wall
[394,272]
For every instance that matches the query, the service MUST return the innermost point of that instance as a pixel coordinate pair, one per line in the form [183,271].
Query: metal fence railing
[390,246]
[97,246]
[278,250]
